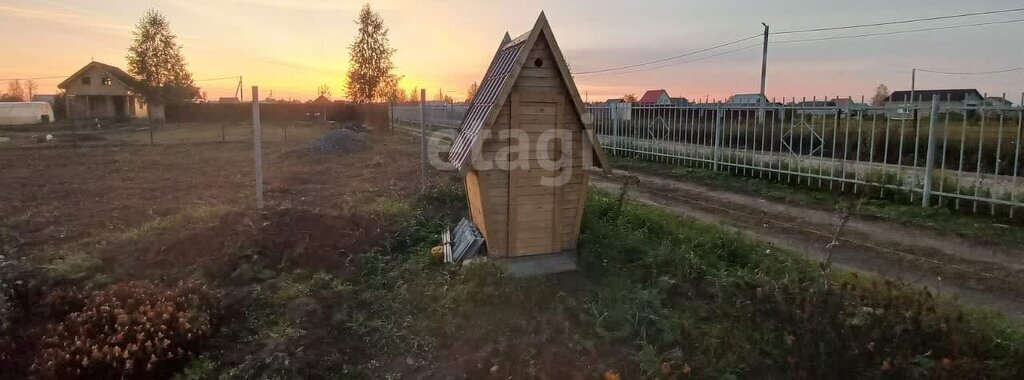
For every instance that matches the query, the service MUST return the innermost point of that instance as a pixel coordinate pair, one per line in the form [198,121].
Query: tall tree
[414,94]
[881,92]
[324,91]
[629,98]
[370,71]
[155,60]
[471,92]
[15,92]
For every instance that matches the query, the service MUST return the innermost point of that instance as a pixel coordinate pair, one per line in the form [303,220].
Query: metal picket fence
[967,154]
[959,154]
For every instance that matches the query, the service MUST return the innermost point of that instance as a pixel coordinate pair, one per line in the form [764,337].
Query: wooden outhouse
[524,148]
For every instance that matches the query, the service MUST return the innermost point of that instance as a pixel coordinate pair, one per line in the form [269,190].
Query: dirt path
[977,274]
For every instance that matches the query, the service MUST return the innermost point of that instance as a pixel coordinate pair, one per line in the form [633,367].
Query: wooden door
[534,210]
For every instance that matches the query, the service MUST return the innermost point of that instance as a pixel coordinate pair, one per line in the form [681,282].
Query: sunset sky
[291,47]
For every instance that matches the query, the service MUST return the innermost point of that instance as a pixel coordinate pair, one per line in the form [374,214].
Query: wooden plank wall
[549,218]
[493,178]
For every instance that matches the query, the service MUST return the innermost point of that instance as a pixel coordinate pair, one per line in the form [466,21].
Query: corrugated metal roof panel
[484,102]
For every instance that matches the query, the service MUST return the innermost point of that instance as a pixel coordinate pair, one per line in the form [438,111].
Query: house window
[106,81]
[86,80]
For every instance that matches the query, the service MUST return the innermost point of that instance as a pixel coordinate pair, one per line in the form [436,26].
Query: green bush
[129,330]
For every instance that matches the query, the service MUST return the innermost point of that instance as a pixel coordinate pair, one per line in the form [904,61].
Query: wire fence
[85,135]
[435,114]
[964,154]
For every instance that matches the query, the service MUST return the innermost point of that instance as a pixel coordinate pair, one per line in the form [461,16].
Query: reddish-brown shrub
[133,330]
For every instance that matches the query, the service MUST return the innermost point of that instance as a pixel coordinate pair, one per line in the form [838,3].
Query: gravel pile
[339,141]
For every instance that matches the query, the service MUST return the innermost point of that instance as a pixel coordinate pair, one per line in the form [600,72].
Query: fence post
[257,145]
[718,136]
[614,112]
[391,116]
[423,138]
[448,115]
[929,164]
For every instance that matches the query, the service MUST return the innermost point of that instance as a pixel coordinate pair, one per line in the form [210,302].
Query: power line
[37,78]
[971,73]
[961,15]
[684,62]
[213,79]
[668,58]
[899,31]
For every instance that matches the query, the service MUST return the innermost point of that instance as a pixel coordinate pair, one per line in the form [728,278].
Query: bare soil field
[112,208]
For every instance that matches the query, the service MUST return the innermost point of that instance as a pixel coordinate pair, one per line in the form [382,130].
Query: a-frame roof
[496,86]
[114,71]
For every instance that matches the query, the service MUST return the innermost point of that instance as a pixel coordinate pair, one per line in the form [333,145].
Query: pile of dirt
[243,247]
[339,141]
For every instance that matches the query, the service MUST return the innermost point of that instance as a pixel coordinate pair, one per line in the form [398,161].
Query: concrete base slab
[538,265]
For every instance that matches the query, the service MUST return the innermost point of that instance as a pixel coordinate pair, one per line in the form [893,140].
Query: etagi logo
[554,155]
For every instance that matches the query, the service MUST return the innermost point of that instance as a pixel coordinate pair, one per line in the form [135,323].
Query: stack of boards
[462,242]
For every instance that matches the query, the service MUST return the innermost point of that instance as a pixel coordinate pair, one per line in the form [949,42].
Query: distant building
[746,100]
[619,109]
[322,100]
[997,101]
[655,98]
[228,100]
[102,91]
[680,102]
[816,107]
[997,106]
[849,105]
[45,99]
[899,105]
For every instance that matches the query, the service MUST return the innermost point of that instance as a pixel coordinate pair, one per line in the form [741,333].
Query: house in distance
[102,91]
[903,104]
[524,148]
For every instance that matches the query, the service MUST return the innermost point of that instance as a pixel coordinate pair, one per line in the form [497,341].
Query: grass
[696,296]
[657,296]
[940,219]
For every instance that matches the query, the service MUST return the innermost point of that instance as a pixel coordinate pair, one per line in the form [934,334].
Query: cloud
[318,5]
[60,16]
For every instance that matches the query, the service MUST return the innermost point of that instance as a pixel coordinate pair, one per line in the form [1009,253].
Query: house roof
[494,90]
[952,95]
[999,99]
[745,99]
[321,100]
[113,71]
[652,96]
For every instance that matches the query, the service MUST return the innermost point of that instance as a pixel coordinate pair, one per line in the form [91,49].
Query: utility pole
[241,93]
[764,74]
